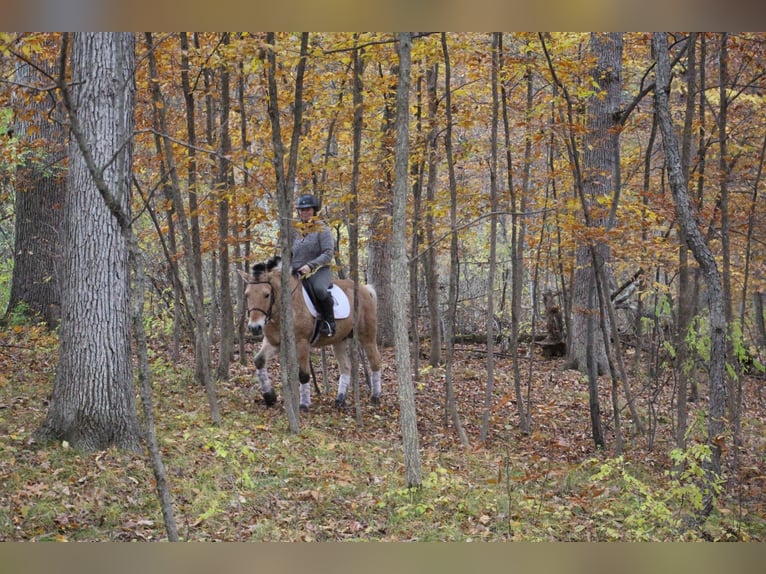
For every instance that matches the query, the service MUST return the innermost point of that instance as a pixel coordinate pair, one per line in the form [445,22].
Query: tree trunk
[703,255]
[399,281]
[287,352]
[93,401]
[518,232]
[226,186]
[598,180]
[202,359]
[490,325]
[353,224]
[40,201]
[685,292]
[379,253]
[451,412]
[430,270]
[734,380]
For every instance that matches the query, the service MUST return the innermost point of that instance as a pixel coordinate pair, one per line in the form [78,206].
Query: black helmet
[307,200]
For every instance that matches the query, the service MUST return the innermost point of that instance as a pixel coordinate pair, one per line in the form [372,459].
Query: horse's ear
[258,268]
[273,263]
[247,278]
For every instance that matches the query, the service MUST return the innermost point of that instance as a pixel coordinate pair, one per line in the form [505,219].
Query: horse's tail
[372,292]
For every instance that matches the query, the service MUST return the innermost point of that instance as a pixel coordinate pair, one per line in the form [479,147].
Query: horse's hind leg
[344,366]
[265,353]
[373,355]
[304,376]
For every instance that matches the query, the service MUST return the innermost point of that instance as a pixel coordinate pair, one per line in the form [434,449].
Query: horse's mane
[260,268]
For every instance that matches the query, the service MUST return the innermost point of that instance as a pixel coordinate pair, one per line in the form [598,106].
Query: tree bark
[518,232]
[93,401]
[202,358]
[703,255]
[685,292]
[598,180]
[450,411]
[399,266]
[429,260]
[225,187]
[490,324]
[41,197]
[379,252]
[287,352]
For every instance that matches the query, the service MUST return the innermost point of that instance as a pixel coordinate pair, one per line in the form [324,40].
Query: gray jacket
[314,248]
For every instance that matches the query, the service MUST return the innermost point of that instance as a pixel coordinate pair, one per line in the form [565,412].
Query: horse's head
[261,290]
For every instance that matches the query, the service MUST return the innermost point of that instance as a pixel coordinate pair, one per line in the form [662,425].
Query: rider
[312,251]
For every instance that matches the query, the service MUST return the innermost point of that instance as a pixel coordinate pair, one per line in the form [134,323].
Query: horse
[263,289]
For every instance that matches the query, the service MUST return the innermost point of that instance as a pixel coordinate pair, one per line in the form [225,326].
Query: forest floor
[250,479]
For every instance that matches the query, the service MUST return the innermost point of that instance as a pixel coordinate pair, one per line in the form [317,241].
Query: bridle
[266,313]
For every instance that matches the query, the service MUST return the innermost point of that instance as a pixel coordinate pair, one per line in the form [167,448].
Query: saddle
[341,305]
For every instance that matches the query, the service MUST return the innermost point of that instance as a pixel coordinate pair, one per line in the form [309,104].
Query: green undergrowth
[250,479]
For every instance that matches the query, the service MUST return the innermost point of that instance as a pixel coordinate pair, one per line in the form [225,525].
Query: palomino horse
[263,296]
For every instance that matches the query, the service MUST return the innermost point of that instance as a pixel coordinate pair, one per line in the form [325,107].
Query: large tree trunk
[379,252]
[598,180]
[40,201]
[93,401]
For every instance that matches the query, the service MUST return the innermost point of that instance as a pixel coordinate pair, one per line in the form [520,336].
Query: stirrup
[327,328]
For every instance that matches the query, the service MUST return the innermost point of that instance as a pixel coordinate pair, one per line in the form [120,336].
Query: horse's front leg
[344,366]
[265,353]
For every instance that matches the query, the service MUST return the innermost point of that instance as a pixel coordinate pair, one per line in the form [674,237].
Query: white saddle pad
[341,305]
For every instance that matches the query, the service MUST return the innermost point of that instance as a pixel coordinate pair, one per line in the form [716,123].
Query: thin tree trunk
[225,187]
[429,262]
[706,260]
[418,166]
[288,358]
[201,339]
[353,228]
[243,257]
[518,227]
[685,294]
[490,325]
[734,381]
[399,266]
[449,335]
[145,390]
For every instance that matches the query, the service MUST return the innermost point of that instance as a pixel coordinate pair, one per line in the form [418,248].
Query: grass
[249,479]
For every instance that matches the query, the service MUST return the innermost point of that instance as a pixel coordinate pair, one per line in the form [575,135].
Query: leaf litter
[250,479]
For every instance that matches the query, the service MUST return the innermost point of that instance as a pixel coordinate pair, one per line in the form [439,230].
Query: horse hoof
[304,408]
[375,400]
[340,401]
[270,398]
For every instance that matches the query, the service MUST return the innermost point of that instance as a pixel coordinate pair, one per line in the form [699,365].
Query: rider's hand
[304,270]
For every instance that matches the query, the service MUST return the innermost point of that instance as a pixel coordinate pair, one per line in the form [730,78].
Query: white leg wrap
[343,382]
[305,394]
[375,380]
[264,381]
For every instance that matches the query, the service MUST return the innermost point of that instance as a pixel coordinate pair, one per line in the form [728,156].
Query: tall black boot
[327,316]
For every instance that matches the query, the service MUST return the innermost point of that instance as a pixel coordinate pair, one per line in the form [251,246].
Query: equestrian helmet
[306,201]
